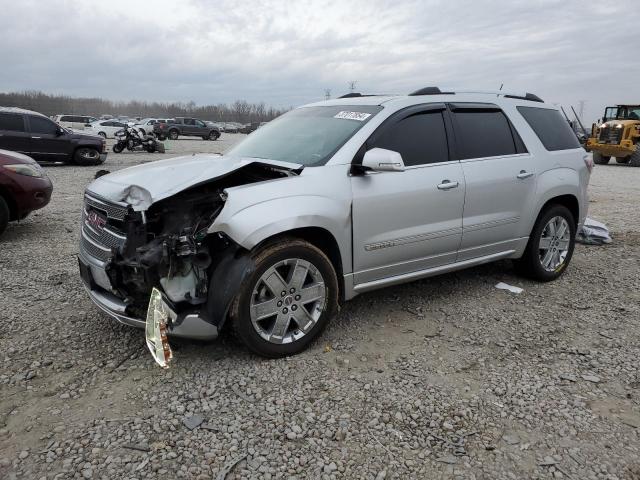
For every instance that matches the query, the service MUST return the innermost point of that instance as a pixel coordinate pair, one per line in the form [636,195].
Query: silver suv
[331,200]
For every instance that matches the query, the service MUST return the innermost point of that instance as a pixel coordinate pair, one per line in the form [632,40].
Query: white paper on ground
[511,288]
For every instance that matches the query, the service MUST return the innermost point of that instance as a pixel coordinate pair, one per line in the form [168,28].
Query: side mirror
[60,131]
[382,160]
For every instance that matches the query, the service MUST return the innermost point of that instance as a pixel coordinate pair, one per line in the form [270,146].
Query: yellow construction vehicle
[617,135]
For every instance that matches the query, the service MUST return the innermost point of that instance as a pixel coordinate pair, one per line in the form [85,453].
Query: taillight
[588,161]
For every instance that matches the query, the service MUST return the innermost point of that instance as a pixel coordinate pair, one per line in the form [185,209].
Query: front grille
[98,241]
[101,253]
[112,210]
[610,135]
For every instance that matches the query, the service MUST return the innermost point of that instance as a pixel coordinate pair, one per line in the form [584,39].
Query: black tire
[87,156]
[4,215]
[174,134]
[600,159]
[150,148]
[622,159]
[530,264]
[634,158]
[102,134]
[162,138]
[265,258]
[213,135]
[118,147]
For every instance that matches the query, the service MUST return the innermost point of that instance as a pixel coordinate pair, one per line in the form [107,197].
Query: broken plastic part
[156,330]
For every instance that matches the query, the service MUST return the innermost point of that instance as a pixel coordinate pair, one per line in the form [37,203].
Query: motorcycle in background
[131,139]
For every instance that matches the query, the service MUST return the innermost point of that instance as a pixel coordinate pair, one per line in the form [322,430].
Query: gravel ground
[442,378]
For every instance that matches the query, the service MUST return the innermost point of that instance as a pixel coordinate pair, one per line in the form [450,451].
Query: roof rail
[437,91]
[351,95]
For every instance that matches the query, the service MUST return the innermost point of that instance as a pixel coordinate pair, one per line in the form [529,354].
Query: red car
[24,187]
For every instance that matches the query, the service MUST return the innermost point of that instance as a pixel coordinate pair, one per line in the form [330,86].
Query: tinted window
[107,124]
[199,123]
[553,131]
[42,125]
[189,121]
[419,138]
[12,122]
[481,133]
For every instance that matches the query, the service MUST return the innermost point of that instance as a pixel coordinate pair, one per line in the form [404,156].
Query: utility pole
[581,109]
[352,85]
[327,93]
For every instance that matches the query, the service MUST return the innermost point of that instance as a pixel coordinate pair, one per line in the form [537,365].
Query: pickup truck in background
[183,126]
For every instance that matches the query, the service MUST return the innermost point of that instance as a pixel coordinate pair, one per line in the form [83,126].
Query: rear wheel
[174,134]
[102,134]
[550,246]
[87,156]
[634,158]
[600,159]
[287,301]
[4,215]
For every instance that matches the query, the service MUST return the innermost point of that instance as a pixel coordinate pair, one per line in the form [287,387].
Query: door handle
[447,185]
[37,138]
[524,174]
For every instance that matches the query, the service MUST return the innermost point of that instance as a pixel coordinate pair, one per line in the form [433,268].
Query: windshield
[308,136]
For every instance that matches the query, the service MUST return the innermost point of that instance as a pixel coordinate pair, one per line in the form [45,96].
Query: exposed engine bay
[168,246]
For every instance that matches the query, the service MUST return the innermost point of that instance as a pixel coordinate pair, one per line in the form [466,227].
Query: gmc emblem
[95,220]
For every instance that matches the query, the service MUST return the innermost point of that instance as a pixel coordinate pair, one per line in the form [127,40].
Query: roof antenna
[500,89]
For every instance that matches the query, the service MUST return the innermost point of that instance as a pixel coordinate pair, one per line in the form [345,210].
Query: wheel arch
[11,203]
[321,238]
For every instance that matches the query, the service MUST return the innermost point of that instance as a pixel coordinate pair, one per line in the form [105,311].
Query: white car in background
[105,128]
[76,122]
[145,126]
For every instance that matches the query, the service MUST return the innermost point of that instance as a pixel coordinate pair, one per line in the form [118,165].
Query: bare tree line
[239,111]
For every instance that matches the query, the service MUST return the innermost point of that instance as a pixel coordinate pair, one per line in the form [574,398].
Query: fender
[256,223]
[554,183]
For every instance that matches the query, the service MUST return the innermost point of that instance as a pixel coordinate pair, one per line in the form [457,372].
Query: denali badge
[95,220]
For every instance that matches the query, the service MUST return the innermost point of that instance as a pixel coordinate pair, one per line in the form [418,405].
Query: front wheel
[213,135]
[634,158]
[550,246]
[87,156]
[600,159]
[102,134]
[287,301]
[173,134]
[118,147]
[4,215]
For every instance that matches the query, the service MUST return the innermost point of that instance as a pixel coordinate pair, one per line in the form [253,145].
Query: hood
[8,157]
[624,123]
[143,185]
[80,134]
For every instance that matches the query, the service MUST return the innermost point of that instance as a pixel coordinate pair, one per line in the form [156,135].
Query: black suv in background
[37,136]
[188,127]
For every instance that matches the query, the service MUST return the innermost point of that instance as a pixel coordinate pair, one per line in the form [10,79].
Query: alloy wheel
[287,301]
[554,244]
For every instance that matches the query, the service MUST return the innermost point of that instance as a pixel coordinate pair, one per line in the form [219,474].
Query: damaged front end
[127,253]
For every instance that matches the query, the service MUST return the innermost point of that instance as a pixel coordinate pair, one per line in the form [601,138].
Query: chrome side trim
[429,272]
[491,224]
[413,239]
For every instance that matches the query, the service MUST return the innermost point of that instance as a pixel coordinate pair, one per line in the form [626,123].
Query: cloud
[288,53]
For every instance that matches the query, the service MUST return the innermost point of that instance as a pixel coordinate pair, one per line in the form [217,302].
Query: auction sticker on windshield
[359,116]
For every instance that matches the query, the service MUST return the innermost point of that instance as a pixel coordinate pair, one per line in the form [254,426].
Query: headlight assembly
[25,169]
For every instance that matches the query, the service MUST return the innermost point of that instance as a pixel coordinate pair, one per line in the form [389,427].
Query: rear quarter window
[553,131]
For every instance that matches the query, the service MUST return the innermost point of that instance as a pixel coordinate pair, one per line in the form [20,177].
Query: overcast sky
[288,52]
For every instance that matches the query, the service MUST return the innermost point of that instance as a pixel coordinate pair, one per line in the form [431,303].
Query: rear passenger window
[419,138]
[553,131]
[482,133]
[12,122]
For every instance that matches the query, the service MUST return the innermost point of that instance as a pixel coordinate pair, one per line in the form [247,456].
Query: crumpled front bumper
[95,280]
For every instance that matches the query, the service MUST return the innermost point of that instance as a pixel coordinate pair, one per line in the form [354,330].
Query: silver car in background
[331,200]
